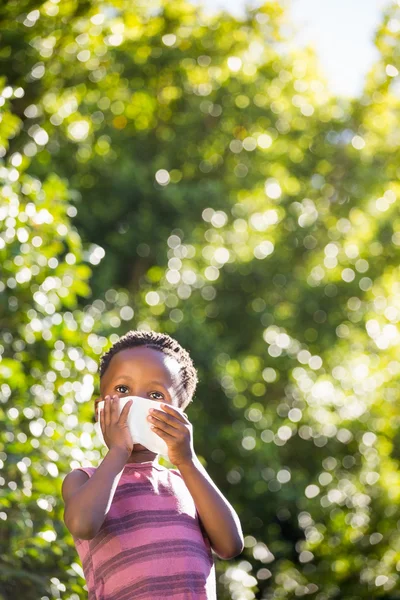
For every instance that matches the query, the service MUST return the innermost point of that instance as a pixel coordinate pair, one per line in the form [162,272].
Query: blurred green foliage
[165,169]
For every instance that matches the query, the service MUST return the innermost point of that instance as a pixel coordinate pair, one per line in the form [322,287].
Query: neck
[142,457]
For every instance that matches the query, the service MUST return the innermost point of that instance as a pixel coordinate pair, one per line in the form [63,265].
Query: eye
[126,387]
[121,386]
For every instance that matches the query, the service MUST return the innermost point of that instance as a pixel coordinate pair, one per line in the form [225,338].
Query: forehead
[143,362]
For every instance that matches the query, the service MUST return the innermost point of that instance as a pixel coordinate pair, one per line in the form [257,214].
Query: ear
[96,402]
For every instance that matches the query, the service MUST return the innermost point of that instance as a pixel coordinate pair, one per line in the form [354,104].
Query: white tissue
[138,424]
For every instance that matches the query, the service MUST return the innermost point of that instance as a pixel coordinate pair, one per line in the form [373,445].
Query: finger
[107,411]
[125,412]
[163,434]
[114,410]
[171,420]
[171,410]
[166,427]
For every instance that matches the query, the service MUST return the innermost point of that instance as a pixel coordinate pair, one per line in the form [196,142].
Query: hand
[114,426]
[176,430]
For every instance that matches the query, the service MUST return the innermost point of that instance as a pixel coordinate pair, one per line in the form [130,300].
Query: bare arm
[87,501]
[217,515]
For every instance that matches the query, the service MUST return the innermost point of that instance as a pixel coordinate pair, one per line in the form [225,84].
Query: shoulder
[163,469]
[75,479]
[173,475]
[88,470]
[82,471]
[79,473]
[175,472]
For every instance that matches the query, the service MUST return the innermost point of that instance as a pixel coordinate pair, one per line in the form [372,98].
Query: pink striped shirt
[152,543]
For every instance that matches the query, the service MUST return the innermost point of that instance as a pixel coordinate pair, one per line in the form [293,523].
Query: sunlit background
[341,31]
[213,177]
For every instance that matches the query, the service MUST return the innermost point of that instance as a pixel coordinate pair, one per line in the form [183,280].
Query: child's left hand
[176,430]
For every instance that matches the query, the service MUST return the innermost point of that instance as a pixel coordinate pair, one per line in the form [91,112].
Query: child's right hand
[114,427]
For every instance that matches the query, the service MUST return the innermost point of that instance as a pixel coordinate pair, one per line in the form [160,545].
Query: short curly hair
[163,343]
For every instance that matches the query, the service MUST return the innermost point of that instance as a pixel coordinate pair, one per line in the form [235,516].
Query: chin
[139,447]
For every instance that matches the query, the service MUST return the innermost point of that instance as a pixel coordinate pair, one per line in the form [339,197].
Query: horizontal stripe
[156,550]
[97,556]
[152,543]
[143,523]
[146,519]
[166,587]
[138,490]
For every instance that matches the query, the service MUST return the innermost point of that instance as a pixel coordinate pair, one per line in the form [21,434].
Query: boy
[143,531]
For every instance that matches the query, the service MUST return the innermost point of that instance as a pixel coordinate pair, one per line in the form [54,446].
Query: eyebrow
[130,379]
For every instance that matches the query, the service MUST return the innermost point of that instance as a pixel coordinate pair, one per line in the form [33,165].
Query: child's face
[144,372]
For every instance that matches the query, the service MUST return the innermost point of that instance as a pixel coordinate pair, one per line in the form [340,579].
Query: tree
[226,199]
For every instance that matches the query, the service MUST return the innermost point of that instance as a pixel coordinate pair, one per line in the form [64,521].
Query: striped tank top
[152,543]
